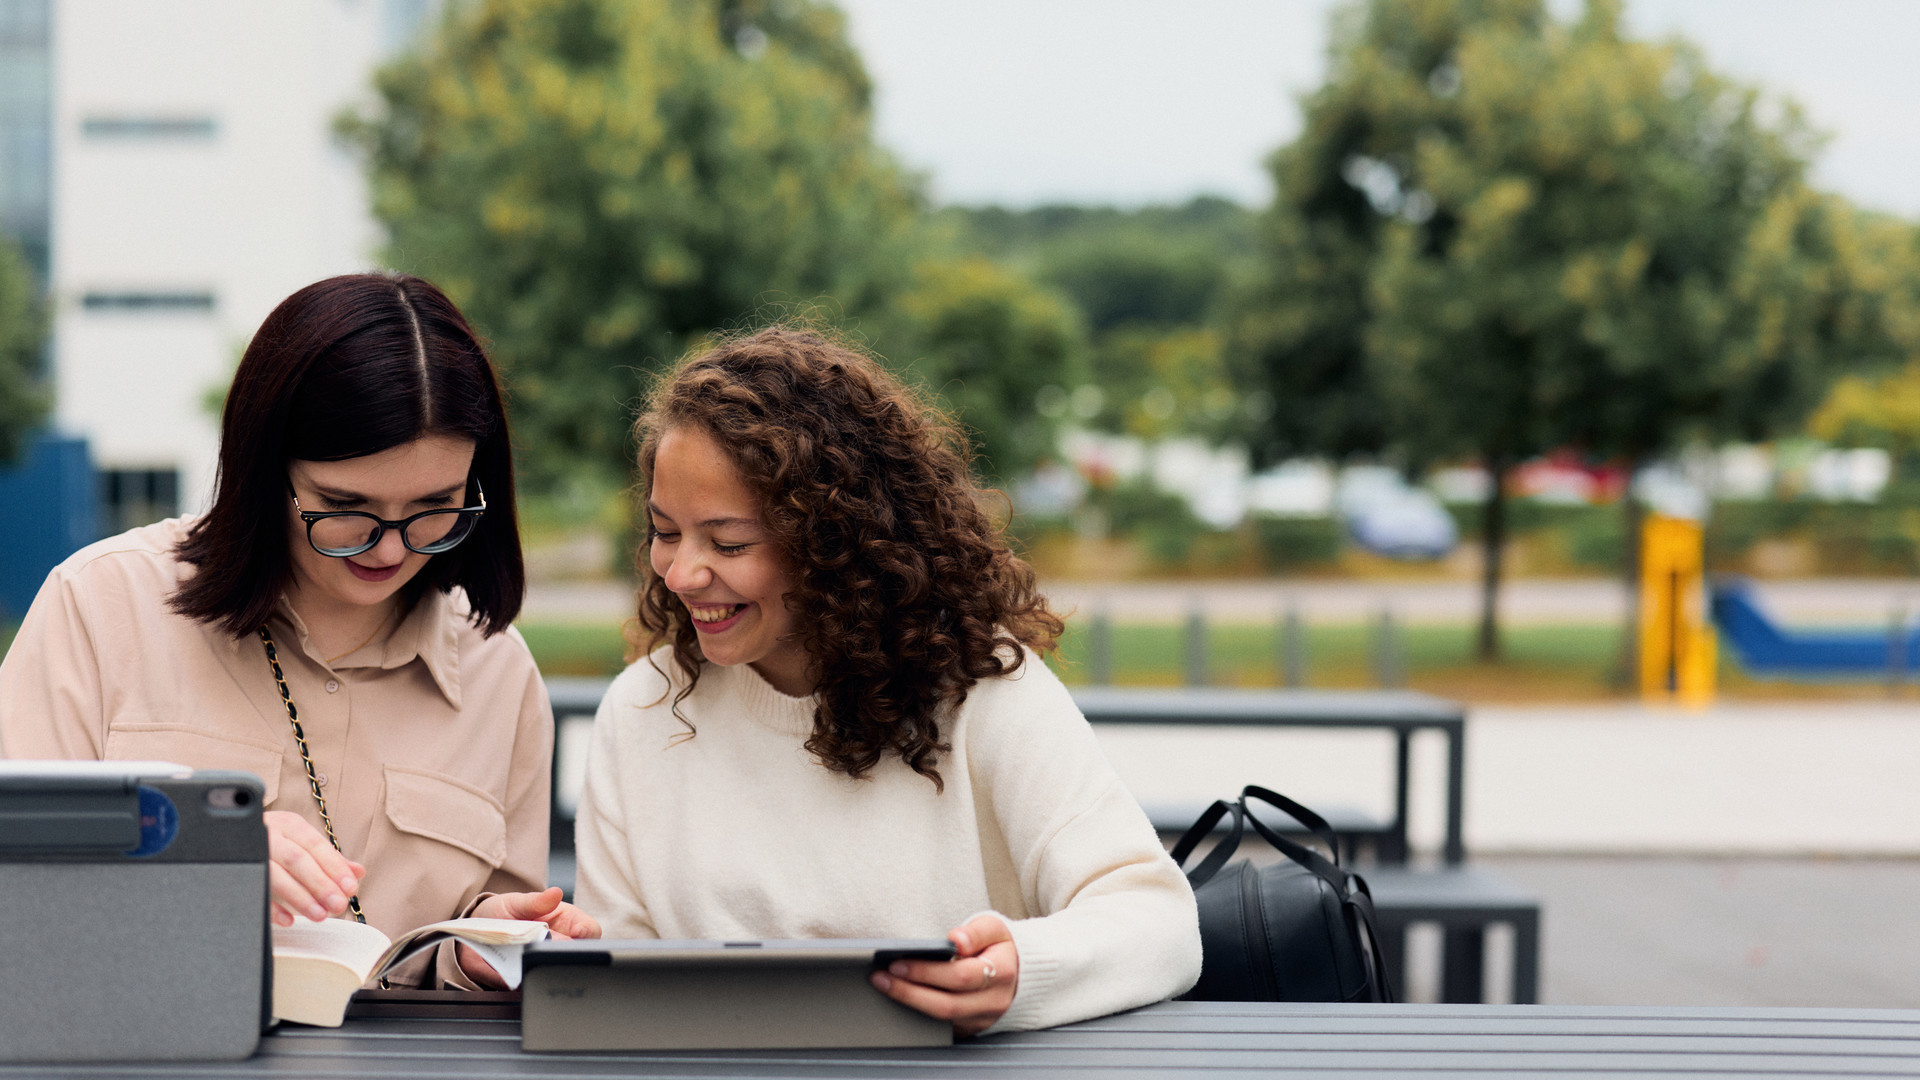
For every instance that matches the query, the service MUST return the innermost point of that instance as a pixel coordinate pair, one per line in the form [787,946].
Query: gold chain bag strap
[306,758]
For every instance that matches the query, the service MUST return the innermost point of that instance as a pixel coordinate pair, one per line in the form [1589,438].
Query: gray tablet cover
[713,995]
[106,956]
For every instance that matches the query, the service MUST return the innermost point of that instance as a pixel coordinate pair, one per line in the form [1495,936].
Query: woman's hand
[306,876]
[973,990]
[562,919]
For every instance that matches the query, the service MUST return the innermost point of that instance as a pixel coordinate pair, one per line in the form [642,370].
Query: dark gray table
[1174,1039]
[1403,712]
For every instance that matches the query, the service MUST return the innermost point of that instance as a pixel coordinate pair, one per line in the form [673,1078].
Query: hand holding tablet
[973,990]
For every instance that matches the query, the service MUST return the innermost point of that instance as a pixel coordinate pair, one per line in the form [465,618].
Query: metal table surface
[1402,712]
[1172,1039]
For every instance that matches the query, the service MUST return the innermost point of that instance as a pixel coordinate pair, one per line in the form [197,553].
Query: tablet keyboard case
[106,956]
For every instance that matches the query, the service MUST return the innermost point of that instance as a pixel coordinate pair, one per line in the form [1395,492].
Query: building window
[130,498]
[148,127]
[147,301]
[26,132]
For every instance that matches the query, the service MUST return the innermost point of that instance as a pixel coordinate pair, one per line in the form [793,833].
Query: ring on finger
[987,973]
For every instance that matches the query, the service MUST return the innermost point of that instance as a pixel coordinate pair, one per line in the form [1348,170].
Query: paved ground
[1850,601]
[1732,931]
[1716,858]
[1803,779]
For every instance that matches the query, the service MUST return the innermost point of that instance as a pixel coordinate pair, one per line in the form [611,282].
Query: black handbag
[1296,930]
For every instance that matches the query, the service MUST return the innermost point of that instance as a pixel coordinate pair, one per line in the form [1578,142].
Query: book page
[353,945]
[499,935]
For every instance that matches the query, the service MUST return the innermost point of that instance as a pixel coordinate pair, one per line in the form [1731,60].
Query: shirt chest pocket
[197,749]
[450,811]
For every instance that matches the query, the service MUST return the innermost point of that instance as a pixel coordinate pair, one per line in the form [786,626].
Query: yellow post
[1677,656]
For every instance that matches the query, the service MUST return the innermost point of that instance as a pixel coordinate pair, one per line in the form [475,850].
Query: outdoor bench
[1463,900]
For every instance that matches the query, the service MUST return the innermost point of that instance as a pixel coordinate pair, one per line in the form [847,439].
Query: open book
[318,965]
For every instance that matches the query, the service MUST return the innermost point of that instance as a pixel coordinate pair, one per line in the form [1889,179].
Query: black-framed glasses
[341,534]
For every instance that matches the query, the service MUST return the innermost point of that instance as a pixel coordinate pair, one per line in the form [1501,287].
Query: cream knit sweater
[738,832]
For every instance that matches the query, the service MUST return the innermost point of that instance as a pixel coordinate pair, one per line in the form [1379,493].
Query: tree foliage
[1150,286]
[988,343]
[1501,233]
[23,332]
[1882,409]
[600,182]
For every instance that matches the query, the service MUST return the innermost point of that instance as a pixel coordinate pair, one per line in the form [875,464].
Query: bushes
[1768,539]
[1290,543]
[1557,538]
[1160,520]
[1817,538]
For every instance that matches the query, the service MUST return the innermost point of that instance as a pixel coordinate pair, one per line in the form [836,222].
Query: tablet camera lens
[229,798]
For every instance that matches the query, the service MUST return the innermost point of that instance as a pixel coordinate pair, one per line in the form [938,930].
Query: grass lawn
[1547,663]
[576,648]
[1542,662]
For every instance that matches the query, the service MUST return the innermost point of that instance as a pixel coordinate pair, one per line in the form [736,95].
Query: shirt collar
[430,633]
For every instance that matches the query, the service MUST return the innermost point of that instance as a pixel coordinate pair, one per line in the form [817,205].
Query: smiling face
[426,474]
[712,551]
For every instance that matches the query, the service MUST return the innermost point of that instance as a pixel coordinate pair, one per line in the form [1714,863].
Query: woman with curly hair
[843,727]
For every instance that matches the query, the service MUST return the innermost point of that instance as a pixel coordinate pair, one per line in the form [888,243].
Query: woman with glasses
[338,623]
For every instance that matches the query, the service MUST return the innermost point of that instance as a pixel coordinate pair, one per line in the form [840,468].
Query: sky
[1128,102]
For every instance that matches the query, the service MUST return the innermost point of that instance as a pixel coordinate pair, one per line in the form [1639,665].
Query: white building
[196,183]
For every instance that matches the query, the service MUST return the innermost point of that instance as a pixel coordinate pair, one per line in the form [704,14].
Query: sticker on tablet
[159,822]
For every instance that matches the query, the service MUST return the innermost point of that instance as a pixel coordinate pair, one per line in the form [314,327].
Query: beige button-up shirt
[432,747]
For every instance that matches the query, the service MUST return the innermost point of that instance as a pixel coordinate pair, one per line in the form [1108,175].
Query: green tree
[1883,408]
[599,183]
[1501,234]
[989,342]
[1150,286]
[23,333]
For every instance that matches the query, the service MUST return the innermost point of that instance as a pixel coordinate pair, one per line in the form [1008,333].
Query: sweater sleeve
[608,887]
[1117,927]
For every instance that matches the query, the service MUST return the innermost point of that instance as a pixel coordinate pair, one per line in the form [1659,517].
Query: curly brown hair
[908,589]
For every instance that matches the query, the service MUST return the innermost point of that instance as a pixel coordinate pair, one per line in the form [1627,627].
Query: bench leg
[1393,950]
[1463,961]
[1526,959]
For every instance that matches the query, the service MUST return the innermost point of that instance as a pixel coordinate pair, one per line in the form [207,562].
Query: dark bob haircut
[347,367]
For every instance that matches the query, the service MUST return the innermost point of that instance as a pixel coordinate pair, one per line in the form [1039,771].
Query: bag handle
[1221,852]
[1321,866]
[1361,901]
[1350,887]
[1314,822]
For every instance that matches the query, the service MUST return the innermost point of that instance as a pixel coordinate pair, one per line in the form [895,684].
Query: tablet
[720,995]
[135,896]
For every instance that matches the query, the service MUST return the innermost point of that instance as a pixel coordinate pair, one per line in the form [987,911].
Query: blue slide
[1764,648]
